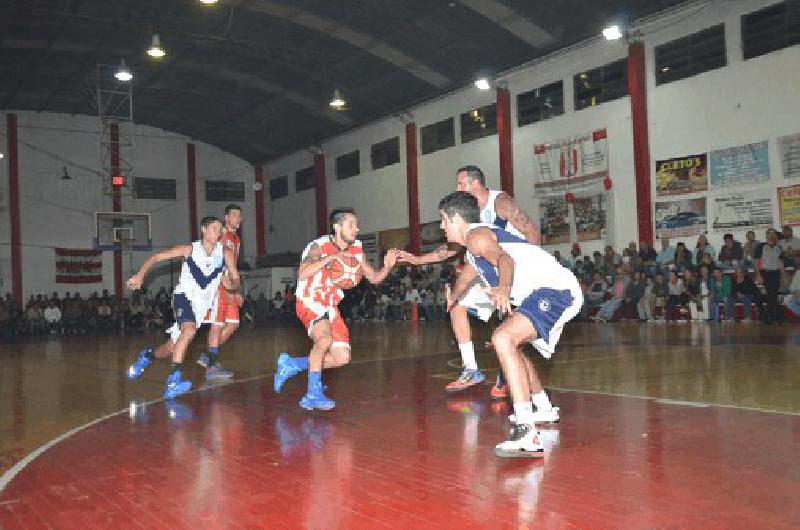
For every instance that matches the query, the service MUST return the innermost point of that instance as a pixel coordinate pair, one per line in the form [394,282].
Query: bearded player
[226,320]
[318,293]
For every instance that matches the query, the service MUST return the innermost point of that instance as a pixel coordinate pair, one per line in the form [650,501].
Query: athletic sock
[541,401]
[314,380]
[524,412]
[468,355]
[213,354]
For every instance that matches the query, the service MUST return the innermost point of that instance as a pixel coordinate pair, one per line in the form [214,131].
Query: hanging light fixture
[612,32]
[482,84]
[208,2]
[156,51]
[338,102]
[123,73]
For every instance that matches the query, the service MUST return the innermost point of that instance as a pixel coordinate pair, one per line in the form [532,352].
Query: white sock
[468,355]
[524,412]
[541,401]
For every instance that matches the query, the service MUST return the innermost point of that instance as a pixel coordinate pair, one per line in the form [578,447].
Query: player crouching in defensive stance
[329,264]
[194,296]
[526,282]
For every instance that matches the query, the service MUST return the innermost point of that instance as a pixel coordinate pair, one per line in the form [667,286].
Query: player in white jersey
[318,297]
[500,209]
[196,294]
[529,285]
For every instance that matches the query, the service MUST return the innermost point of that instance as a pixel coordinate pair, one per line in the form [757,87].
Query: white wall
[744,102]
[60,213]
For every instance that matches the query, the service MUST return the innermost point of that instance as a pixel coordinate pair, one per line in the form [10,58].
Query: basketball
[347,274]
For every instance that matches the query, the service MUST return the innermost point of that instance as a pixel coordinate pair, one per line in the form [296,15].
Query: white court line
[9,475]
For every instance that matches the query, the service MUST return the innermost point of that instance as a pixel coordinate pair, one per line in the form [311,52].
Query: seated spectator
[793,299]
[683,258]
[721,292]
[697,294]
[633,293]
[660,294]
[706,261]
[72,314]
[790,246]
[105,318]
[750,246]
[647,258]
[34,318]
[617,290]
[731,254]
[277,306]
[744,290]
[703,247]
[599,263]
[634,263]
[410,299]
[611,260]
[576,253]
[677,294]
[52,317]
[136,314]
[595,294]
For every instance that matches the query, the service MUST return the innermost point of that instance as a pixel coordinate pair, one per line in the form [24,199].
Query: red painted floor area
[398,452]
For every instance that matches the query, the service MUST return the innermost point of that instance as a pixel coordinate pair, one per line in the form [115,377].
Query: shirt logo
[544,305]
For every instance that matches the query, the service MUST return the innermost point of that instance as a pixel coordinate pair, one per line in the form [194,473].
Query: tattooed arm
[508,209]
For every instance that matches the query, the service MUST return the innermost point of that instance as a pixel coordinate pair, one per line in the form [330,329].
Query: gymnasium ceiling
[254,77]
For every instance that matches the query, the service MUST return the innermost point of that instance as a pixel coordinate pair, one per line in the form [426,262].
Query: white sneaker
[541,416]
[523,442]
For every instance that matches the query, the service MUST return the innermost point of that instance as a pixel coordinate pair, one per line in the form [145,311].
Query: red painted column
[13,209]
[116,197]
[637,87]
[412,181]
[261,241]
[322,194]
[504,141]
[191,184]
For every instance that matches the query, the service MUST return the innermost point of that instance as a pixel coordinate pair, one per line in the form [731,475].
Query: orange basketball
[345,275]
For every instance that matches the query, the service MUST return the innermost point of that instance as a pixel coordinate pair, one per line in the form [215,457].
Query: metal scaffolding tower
[114,100]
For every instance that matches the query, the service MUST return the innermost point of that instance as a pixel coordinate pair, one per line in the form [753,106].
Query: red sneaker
[499,392]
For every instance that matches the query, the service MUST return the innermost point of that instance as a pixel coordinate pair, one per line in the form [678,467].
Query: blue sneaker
[136,370]
[286,369]
[203,360]
[315,398]
[469,377]
[176,385]
[217,372]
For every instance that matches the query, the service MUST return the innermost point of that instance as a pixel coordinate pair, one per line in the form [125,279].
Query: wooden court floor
[679,425]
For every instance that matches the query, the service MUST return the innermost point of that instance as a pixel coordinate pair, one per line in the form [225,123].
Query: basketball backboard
[122,230]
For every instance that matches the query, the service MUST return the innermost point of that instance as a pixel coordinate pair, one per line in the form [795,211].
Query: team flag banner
[741,211]
[743,165]
[571,163]
[79,265]
[789,151]
[789,205]
[686,174]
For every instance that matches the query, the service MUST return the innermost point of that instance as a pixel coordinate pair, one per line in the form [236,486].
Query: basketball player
[500,209]
[195,294]
[539,296]
[228,303]
[317,306]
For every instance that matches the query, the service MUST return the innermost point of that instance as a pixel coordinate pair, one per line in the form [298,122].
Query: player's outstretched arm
[313,262]
[178,251]
[482,243]
[442,253]
[375,277]
[508,209]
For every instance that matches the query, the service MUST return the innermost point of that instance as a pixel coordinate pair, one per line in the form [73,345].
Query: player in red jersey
[226,319]
[318,296]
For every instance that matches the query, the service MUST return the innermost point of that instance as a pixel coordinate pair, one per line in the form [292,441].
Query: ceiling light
[156,51]
[1,156]
[612,32]
[483,84]
[208,2]
[123,73]
[337,102]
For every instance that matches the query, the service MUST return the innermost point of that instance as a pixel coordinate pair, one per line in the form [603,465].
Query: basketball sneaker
[136,370]
[541,416]
[203,360]
[286,369]
[176,385]
[315,398]
[217,372]
[500,389]
[523,442]
[468,378]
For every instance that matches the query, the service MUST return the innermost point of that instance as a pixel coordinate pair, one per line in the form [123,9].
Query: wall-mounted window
[772,28]
[602,84]
[224,191]
[691,55]
[385,153]
[540,103]
[348,165]
[439,135]
[161,189]
[278,187]
[305,179]
[479,123]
